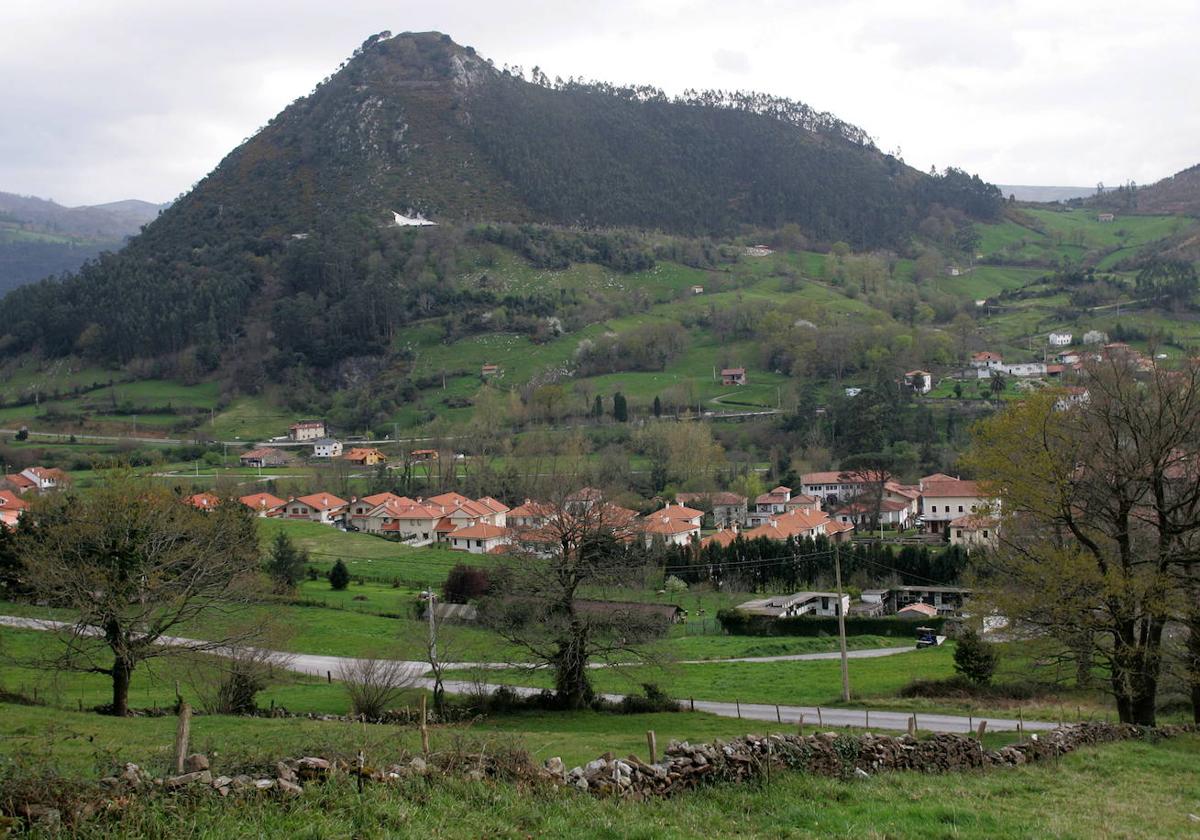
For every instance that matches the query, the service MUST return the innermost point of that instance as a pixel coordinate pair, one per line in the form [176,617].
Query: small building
[327,448]
[423,454]
[733,376]
[697,290]
[671,530]
[489,370]
[944,600]
[1059,339]
[852,392]
[365,457]
[1105,217]
[945,498]
[920,381]
[12,506]
[918,611]
[726,508]
[798,603]
[267,456]
[264,504]
[307,430]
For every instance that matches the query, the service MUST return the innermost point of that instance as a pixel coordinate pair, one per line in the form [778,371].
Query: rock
[861,773]
[43,815]
[132,774]
[195,762]
[222,782]
[418,765]
[264,784]
[555,766]
[581,782]
[313,768]
[594,766]
[284,772]
[288,788]
[242,781]
[475,775]
[176,782]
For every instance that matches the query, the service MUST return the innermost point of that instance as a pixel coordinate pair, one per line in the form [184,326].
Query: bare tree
[374,684]
[1100,504]
[134,564]
[578,541]
[227,682]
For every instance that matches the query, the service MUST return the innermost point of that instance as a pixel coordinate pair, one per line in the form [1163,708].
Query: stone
[418,765]
[288,788]
[176,782]
[475,775]
[195,762]
[581,783]
[594,766]
[555,765]
[264,784]
[222,782]
[861,773]
[282,771]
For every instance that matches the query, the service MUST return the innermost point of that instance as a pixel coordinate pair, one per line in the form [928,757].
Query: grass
[1131,789]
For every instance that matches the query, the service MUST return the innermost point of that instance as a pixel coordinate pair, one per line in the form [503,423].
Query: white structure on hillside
[1059,339]
[327,448]
[1095,337]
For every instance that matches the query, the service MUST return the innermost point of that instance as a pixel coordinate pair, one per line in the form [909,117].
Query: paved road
[321,666]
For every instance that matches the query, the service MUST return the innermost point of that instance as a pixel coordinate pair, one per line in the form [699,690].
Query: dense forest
[286,255]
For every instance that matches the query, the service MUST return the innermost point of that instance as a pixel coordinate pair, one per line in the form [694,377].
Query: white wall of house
[938,511]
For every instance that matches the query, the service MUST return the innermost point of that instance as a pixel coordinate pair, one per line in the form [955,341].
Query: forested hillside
[288,250]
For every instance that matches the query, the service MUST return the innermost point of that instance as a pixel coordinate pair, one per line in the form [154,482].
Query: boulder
[287,788]
[199,776]
[195,762]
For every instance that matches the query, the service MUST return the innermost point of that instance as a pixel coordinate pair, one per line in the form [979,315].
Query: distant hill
[40,238]
[295,225]
[1024,192]
[1178,194]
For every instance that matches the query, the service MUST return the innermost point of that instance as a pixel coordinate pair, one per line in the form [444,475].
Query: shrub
[653,699]
[974,658]
[373,684]
[737,623]
[465,583]
[339,576]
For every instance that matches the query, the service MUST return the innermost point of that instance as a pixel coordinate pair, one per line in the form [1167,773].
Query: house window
[933,509]
[479,543]
[985,535]
[960,510]
[973,508]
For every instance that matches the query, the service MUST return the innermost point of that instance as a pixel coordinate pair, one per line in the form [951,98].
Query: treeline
[797,564]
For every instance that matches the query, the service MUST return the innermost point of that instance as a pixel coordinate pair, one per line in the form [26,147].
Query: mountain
[40,238]
[295,229]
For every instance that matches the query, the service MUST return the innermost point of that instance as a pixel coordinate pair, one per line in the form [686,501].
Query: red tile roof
[203,501]
[262,501]
[11,501]
[322,501]
[951,489]
[479,531]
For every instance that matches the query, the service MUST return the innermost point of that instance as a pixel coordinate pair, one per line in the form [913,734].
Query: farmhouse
[12,507]
[1059,339]
[796,524]
[37,479]
[267,456]
[973,530]
[365,457]
[672,531]
[1105,217]
[920,381]
[944,499]
[771,503]
[263,504]
[306,430]
[723,537]
[798,603]
[836,487]
[726,508]
[327,448]
[733,376]
[895,514]
[986,359]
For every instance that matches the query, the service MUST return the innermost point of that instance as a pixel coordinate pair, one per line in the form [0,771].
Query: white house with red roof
[479,538]
[203,501]
[920,381]
[672,531]
[325,508]
[986,359]
[837,487]
[772,503]
[264,504]
[974,531]
[12,506]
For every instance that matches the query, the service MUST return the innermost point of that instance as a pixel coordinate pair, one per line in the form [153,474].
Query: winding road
[324,666]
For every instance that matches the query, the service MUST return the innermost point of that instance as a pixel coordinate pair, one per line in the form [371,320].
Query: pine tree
[620,408]
[285,564]
[657,407]
[598,407]
[974,658]
[339,576]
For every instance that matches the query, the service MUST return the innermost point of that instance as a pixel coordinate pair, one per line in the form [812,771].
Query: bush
[373,684]
[465,583]
[339,576]
[959,687]
[974,658]
[653,699]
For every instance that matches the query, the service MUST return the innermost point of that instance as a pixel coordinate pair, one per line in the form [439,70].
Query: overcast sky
[109,99]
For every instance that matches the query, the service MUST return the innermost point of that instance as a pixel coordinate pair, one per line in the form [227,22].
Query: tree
[598,407]
[339,576]
[133,563]
[657,406]
[465,583]
[620,408]
[1100,507]
[285,564]
[974,658]
[537,607]
[996,384]
[373,684]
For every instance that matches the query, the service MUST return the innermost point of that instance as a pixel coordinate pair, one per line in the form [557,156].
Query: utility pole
[837,571]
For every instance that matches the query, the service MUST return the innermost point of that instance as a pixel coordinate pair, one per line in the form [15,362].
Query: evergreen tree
[339,576]
[620,408]
[598,407]
[286,564]
[657,407]
[974,658]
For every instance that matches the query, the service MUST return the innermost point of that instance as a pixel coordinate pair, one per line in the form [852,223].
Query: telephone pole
[841,613]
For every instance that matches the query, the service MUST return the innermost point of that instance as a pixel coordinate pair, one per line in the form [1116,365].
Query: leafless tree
[134,564]
[580,541]
[374,684]
[227,681]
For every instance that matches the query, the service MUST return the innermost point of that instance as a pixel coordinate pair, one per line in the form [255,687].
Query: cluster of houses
[313,433]
[15,487]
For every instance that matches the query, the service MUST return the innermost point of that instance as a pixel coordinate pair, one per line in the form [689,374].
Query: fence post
[778,717]
[738,703]
[692,700]
[329,677]
[820,721]
[800,724]
[982,729]
[652,743]
[424,728]
[867,719]
[182,730]
[912,726]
